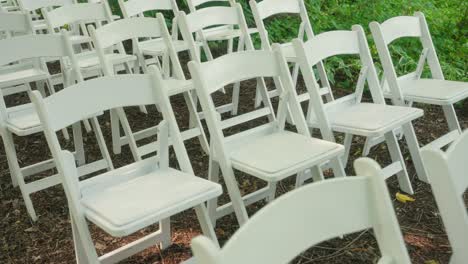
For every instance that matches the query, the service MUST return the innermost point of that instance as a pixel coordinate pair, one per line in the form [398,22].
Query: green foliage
[447,19]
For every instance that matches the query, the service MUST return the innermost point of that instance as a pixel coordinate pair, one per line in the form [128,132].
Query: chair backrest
[210,76]
[208,17]
[314,213]
[448,177]
[268,8]
[194,4]
[133,8]
[15,23]
[126,29]
[398,27]
[329,44]
[19,48]
[32,5]
[77,13]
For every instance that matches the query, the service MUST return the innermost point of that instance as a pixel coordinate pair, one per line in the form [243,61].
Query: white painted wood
[348,114]
[403,90]
[157,191]
[22,120]
[268,8]
[136,28]
[449,182]
[364,200]
[264,151]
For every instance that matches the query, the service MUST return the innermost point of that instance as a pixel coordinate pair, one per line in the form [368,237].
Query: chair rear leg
[395,154]
[205,223]
[272,191]
[213,175]
[78,142]
[16,174]
[102,143]
[414,149]
[115,128]
[84,245]
[348,140]
[165,227]
[451,117]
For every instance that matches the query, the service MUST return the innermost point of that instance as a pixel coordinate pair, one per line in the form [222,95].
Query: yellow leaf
[403,198]
[431,262]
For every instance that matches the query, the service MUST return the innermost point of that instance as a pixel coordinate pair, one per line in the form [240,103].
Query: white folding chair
[9,5]
[196,22]
[22,120]
[155,48]
[135,28]
[33,6]
[130,198]
[314,214]
[269,8]
[266,151]
[409,88]
[348,114]
[449,181]
[74,17]
[220,32]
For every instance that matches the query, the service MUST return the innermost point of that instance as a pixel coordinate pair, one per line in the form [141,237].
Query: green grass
[447,19]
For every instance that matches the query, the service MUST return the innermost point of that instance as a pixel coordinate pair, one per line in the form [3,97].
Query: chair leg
[348,140]
[272,191]
[165,227]
[213,175]
[84,246]
[236,88]
[194,122]
[78,142]
[395,154]
[414,149]
[16,174]
[128,133]
[235,195]
[337,167]
[205,223]
[451,117]
[115,128]
[295,74]
[102,143]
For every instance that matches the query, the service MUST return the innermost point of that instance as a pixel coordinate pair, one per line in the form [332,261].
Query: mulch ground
[49,240]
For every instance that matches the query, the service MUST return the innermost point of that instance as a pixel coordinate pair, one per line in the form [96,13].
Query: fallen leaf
[403,198]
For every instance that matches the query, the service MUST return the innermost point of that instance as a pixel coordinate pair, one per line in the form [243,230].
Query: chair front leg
[451,117]
[414,149]
[205,223]
[395,154]
[213,175]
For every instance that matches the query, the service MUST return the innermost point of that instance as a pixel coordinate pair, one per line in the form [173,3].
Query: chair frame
[334,43]
[151,91]
[254,64]
[46,46]
[447,174]
[414,26]
[269,8]
[135,30]
[196,22]
[364,198]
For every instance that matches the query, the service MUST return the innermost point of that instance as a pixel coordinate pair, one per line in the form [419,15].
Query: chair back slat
[32,5]
[15,22]
[330,44]
[125,29]
[84,99]
[135,7]
[213,16]
[20,48]
[268,8]
[196,3]
[399,27]
[238,66]
[71,14]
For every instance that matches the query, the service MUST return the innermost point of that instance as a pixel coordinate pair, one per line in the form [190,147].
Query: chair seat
[157,47]
[279,155]
[130,198]
[22,76]
[367,119]
[23,120]
[39,24]
[433,91]
[288,52]
[90,60]
[175,86]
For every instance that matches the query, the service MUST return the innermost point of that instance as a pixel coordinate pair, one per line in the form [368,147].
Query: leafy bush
[447,19]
